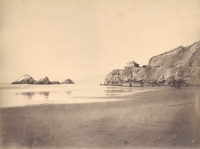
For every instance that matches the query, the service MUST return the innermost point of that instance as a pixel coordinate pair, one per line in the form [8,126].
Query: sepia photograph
[99,74]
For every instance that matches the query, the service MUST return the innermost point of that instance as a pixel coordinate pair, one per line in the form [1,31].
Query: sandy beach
[155,119]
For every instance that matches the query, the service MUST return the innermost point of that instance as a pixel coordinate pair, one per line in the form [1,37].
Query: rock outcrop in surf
[68,81]
[178,67]
[44,80]
[27,79]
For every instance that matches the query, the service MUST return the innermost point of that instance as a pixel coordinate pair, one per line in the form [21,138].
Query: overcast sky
[79,39]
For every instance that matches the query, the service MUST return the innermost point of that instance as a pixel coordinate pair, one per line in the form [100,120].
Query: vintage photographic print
[99,74]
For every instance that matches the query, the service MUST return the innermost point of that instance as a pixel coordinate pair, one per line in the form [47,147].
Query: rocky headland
[27,79]
[175,68]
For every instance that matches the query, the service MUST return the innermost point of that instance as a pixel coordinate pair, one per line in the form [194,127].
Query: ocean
[23,94]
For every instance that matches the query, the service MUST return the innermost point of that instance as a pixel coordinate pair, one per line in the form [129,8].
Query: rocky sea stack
[176,68]
[44,80]
[68,81]
[27,79]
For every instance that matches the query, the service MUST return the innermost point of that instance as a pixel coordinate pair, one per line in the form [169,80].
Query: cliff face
[180,66]
[180,57]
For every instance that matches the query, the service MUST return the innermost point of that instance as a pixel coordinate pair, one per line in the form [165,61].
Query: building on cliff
[131,64]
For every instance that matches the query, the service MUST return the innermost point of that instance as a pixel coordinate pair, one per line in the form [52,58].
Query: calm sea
[21,95]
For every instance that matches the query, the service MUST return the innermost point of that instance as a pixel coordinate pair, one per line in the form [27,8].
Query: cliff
[178,67]
[180,57]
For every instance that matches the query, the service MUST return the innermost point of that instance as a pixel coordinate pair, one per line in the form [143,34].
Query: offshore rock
[44,80]
[55,82]
[68,81]
[26,79]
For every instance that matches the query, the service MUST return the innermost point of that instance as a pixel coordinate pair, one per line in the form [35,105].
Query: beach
[168,118]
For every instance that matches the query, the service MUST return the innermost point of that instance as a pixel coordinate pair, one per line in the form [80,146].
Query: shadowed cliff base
[154,119]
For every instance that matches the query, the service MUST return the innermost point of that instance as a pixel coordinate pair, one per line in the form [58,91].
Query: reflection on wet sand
[68,92]
[115,91]
[26,94]
[29,95]
[46,94]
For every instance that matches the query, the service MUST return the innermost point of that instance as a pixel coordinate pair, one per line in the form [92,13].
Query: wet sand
[156,119]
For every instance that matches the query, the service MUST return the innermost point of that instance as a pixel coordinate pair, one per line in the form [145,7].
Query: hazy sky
[80,39]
